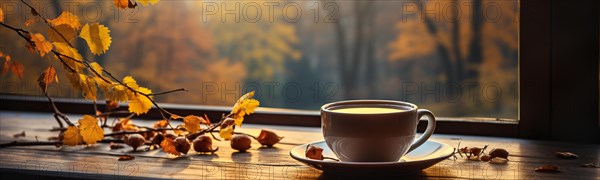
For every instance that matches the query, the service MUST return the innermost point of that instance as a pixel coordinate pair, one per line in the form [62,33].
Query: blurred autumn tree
[174,59]
[473,44]
[263,42]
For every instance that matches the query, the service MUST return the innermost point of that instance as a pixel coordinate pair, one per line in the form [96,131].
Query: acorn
[158,138]
[203,144]
[268,138]
[182,145]
[314,152]
[240,142]
[134,140]
[499,153]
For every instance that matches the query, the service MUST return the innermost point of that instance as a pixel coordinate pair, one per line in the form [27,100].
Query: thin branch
[49,143]
[46,21]
[113,112]
[57,112]
[167,92]
[138,132]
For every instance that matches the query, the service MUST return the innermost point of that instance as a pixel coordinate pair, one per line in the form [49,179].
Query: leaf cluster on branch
[91,79]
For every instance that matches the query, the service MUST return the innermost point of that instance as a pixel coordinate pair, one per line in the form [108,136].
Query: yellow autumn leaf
[103,83]
[238,120]
[140,104]
[91,132]
[147,2]
[244,106]
[249,105]
[96,67]
[117,92]
[97,37]
[168,146]
[226,133]
[65,49]
[41,44]
[88,87]
[65,30]
[71,136]
[66,18]
[192,123]
[129,81]
[237,105]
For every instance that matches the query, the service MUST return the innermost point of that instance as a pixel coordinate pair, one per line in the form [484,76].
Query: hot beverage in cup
[373,130]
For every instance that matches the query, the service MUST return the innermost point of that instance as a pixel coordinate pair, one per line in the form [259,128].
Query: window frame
[543,61]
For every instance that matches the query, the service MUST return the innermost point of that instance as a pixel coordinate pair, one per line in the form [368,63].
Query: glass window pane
[457,58]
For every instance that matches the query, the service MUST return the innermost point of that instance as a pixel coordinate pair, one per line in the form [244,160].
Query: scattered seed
[115,145]
[566,155]
[498,160]
[126,158]
[547,169]
[591,165]
[18,135]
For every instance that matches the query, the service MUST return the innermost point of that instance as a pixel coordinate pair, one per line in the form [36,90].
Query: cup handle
[428,131]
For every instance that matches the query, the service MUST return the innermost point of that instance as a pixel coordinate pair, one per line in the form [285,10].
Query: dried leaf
[1,15]
[175,116]
[72,136]
[192,123]
[111,105]
[29,22]
[6,65]
[17,69]
[547,168]
[168,146]
[268,138]
[566,155]
[124,4]
[66,18]
[97,37]
[47,77]
[161,124]
[90,130]
[41,45]
[126,158]
[314,152]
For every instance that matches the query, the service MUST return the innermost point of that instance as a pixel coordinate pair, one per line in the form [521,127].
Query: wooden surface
[262,163]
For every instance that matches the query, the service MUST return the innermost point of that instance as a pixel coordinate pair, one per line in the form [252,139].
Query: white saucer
[426,155]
